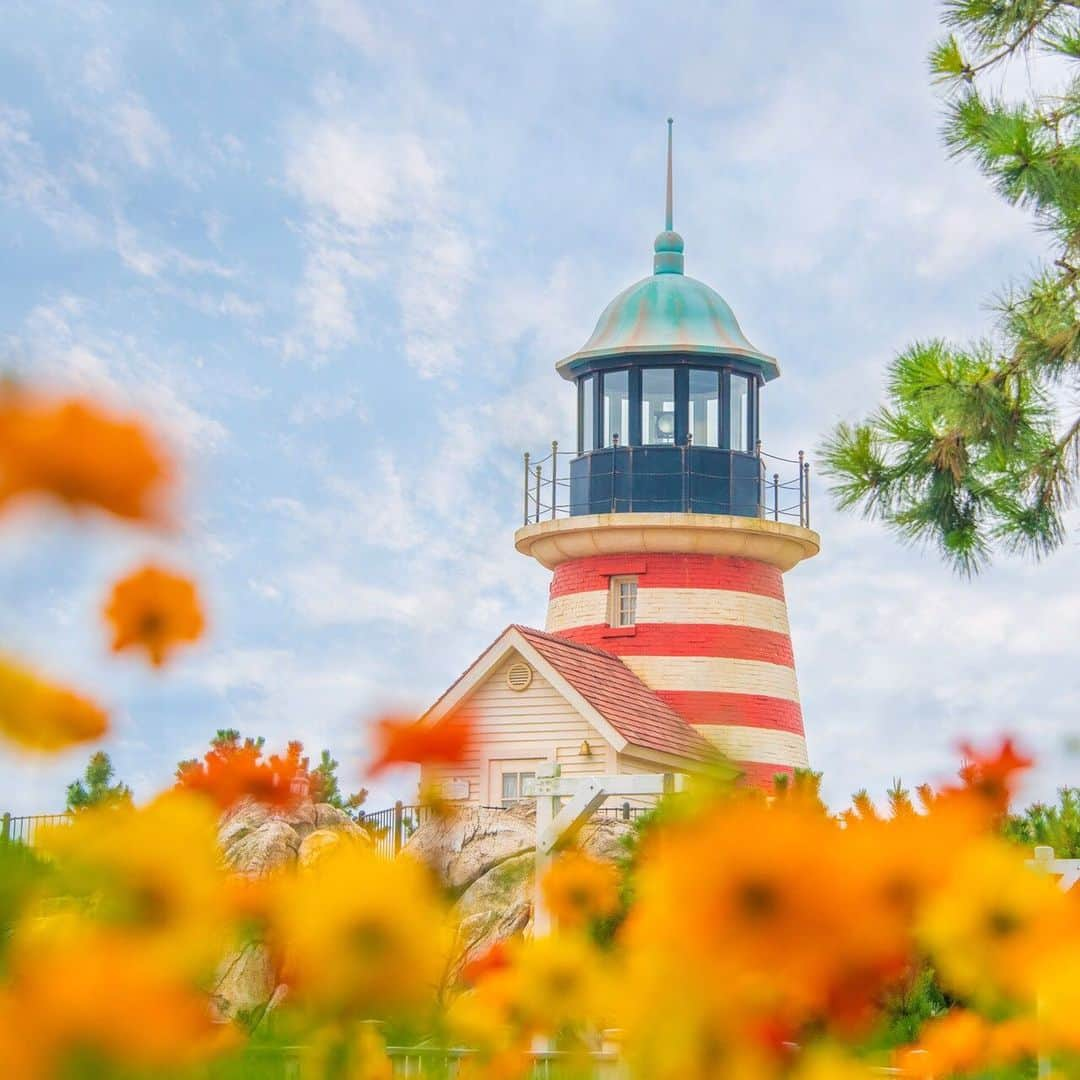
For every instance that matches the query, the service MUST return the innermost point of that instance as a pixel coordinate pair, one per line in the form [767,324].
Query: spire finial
[668,249]
[668,220]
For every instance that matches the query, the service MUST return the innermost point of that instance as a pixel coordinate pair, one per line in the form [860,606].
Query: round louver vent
[519,676]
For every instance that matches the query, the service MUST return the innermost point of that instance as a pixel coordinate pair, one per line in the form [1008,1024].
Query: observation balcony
[683,479]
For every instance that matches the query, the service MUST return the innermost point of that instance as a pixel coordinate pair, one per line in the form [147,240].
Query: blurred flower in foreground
[85,1002]
[154,873]
[578,888]
[232,770]
[405,742]
[74,452]
[995,927]
[36,715]
[361,933]
[154,610]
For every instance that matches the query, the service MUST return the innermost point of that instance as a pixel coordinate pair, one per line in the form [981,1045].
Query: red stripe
[670,572]
[755,774]
[687,639]
[743,710]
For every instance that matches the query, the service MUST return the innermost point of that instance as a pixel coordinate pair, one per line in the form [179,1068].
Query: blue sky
[334,249]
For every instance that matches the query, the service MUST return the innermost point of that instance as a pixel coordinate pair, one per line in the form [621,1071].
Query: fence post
[806,472]
[538,493]
[776,496]
[802,492]
[554,476]
[399,826]
[526,522]
[760,476]
[5,828]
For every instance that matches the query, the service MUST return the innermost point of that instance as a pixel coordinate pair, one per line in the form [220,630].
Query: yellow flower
[37,715]
[831,1063]
[994,926]
[101,996]
[154,610]
[579,888]
[153,873]
[360,932]
[73,451]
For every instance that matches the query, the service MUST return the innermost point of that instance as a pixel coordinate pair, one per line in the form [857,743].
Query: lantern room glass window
[739,412]
[658,406]
[616,407]
[587,405]
[705,408]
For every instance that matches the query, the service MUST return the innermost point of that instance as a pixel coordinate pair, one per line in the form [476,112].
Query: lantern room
[667,399]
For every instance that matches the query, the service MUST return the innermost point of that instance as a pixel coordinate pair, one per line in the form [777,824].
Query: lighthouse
[668,529]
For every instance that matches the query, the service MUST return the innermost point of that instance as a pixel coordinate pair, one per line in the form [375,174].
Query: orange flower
[958,1042]
[405,742]
[495,957]
[98,997]
[37,715]
[579,888]
[992,777]
[230,772]
[155,610]
[74,452]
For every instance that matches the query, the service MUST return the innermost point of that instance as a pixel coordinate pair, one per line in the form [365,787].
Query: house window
[513,786]
[623,601]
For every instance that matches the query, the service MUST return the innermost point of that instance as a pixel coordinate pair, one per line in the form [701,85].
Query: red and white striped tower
[670,536]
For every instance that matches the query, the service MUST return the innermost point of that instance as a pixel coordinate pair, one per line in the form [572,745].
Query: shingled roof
[619,696]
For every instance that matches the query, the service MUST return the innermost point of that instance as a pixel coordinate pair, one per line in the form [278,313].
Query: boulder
[272,845]
[244,983]
[486,858]
[318,844]
[255,841]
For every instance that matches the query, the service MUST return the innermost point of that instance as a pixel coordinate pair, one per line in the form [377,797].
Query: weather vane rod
[668,222]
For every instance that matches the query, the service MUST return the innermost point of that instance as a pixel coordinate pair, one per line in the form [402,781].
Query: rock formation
[485,857]
[256,840]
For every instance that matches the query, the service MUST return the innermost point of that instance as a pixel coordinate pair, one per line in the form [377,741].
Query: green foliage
[96,787]
[326,788]
[967,453]
[1056,826]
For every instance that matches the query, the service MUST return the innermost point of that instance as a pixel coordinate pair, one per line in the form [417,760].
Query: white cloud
[379,207]
[139,131]
[348,19]
[26,180]
[56,346]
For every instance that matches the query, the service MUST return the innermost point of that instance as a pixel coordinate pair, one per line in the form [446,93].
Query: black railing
[21,829]
[781,491]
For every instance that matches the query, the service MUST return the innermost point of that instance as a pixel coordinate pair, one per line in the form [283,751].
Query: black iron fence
[389,828]
[694,480]
[21,829]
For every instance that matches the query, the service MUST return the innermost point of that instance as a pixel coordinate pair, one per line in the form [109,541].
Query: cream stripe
[715,674]
[757,744]
[717,607]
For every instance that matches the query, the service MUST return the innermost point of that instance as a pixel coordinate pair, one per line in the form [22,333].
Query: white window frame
[622,605]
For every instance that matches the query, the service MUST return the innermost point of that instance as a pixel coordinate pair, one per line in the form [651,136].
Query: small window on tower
[623,601]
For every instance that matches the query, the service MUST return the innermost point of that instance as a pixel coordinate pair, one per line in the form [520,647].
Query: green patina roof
[668,313]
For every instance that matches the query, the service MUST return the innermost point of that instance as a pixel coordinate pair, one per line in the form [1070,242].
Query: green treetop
[95,787]
[968,452]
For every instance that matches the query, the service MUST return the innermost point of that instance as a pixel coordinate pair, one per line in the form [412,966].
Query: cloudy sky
[333,248]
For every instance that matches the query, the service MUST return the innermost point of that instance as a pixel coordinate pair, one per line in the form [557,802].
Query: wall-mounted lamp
[585,750]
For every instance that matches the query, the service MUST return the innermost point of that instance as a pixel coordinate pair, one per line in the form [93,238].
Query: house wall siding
[509,724]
